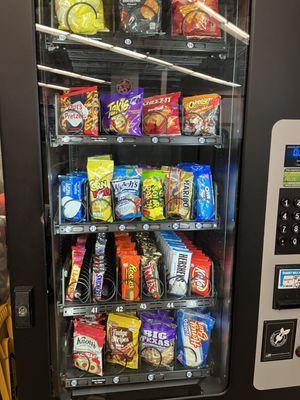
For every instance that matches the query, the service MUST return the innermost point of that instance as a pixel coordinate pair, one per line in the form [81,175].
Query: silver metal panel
[284,373]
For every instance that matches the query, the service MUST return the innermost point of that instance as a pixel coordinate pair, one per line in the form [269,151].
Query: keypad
[288,222]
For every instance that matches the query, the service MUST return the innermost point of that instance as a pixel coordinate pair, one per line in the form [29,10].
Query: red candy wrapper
[200,274]
[188,19]
[161,115]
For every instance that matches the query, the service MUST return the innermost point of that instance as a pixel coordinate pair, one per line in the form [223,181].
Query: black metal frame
[273,94]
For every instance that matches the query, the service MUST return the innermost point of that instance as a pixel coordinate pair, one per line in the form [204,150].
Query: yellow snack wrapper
[122,336]
[87,18]
[153,195]
[100,173]
[179,193]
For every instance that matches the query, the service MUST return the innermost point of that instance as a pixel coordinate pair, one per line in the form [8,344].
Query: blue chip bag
[204,191]
[193,338]
[126,185]
[72,192]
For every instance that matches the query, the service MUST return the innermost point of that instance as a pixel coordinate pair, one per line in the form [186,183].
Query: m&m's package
[193,338]
[200,114]
[161,115]
[140,16]
[122,113]
[189,19]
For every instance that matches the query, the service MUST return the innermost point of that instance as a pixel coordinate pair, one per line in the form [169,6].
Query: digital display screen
[292,156]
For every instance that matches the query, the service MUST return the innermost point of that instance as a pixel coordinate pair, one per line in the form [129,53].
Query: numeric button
[294,241]
[297,202]
[295,229]
[296,215]
[283,229]
[285,203]
[284,216]
[281,241]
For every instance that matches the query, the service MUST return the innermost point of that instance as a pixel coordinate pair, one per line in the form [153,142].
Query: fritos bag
[200,114]
[161,114]
[87,346]
[100,173]
[87,18]
[122,340]
[79,111]
[190,20]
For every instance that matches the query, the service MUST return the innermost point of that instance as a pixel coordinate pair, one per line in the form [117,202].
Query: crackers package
[100,173]
[122,340]
[79,111]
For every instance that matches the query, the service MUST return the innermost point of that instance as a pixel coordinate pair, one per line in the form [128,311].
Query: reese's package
[140,16]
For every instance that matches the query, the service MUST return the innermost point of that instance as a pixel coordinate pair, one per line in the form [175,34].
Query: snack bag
[179,193]
[157,341]
[161,115]
[122,113]
[85,18]
[153,195]
[126,185]
[193,338]
[200,275]
[140,16]
[79,112]
[188,19]
[98,267]
[72,193]
[130,277]
[88,342]
[149,264]
[122,340]
[200,114]
[100,174]
[78,253]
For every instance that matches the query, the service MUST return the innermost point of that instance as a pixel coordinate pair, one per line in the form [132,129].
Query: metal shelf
[73,310]
[125,377]
[134,226]
[179,140]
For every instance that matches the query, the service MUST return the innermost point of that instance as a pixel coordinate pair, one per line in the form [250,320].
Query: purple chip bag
[122,113]
[157,341]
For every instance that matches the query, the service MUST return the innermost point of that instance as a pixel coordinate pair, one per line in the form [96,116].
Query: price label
[170,305]
[143,306]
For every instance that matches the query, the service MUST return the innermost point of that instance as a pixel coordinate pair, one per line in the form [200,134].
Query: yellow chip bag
[81,17]
[153,195]
[122,340]
[100,172]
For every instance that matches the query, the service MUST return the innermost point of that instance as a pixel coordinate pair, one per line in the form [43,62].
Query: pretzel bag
[122,340]
[79,111]
[190,20]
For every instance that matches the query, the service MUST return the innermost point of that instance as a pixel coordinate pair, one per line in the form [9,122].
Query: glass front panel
[141,115]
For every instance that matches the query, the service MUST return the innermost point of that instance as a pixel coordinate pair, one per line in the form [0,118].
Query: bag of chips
[122,340]
[100,173]
[153,195]
[126,185]
[85,18]
[200,114]
[193,338]
[161,115]
[88,342]
[179,193]
[188,19]
[140,16]
[122,113]
[157,341]
[79,112]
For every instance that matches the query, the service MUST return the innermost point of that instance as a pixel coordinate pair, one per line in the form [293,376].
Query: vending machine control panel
[277,363]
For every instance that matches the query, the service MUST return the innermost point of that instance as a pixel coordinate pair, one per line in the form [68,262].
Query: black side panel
[273,94]
[23,186]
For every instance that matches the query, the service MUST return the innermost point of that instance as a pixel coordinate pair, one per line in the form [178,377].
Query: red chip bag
[161,115]
[190,20]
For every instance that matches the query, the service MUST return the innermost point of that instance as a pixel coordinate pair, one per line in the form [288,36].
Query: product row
[143,17]
[129,192]
[157,338]
[136,266]
[129,113]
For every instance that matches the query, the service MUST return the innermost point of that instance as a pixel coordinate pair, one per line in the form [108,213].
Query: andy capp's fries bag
[81,17]
[100,173]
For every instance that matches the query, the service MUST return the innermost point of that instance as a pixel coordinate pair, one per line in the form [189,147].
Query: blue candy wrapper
[72,193]
[193,338]
[204,191]
[126,184]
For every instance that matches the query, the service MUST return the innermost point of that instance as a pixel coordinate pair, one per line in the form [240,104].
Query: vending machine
[151,155]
